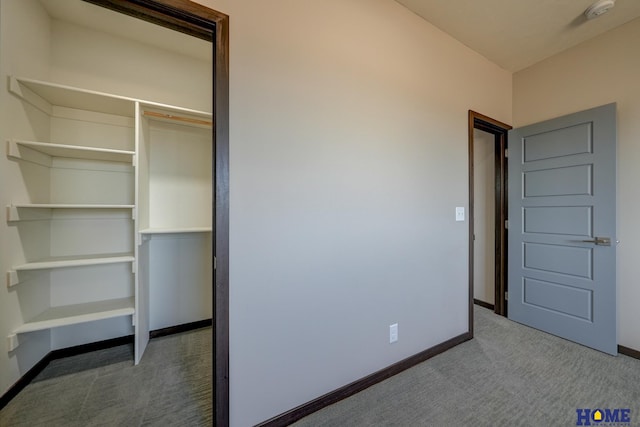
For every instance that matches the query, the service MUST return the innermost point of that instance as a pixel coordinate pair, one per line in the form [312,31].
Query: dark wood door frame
[202,22]
[500,132]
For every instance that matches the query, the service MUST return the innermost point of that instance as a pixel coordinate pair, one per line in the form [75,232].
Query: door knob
[600,241]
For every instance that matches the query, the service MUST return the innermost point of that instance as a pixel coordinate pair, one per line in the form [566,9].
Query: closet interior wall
[155,234]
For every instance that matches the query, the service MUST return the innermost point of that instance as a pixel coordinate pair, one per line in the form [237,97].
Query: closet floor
[171,386]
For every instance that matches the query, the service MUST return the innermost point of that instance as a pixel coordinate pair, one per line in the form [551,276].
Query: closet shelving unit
[159,156]
[105,140]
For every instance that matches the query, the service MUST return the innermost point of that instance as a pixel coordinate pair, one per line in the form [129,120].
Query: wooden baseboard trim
[88,348]
[26,379]
[330,398]
[484,304]
[629,352]
[180,328]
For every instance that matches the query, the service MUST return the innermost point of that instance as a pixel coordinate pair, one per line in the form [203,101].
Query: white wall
[25,21]
[91,59]
[602,70]
[484,198]
[180,288]
[348,157]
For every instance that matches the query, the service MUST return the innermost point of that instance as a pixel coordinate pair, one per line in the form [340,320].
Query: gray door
[562,224]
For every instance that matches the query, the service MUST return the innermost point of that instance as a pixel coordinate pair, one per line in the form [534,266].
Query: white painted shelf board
[165,108]
[178,116]
[78,313]
[82,99]
[175,230]
[78,152]
[61,262]
[45,209]
[69,206]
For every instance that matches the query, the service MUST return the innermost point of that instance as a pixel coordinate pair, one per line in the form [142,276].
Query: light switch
[460,214]
[393,333]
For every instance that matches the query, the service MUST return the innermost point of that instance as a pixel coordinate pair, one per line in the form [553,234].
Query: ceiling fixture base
[598,8]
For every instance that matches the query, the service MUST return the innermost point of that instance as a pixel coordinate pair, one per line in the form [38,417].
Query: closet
[107,194]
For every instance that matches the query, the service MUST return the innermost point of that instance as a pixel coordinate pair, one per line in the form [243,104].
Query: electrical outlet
[393,333]
[460,214]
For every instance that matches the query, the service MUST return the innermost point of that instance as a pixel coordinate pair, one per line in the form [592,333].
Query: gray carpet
[170,387]
[509,375]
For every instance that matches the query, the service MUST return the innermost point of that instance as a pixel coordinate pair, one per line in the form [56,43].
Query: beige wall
[484,215]
[598,72]
[348,157]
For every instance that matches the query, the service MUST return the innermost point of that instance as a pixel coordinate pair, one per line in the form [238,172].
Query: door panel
[560,181]
[576,140]
[567,220]
[556,259]
[562,195]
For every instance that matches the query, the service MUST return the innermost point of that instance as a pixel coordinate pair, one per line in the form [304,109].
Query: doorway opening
[200,21]
[487,214]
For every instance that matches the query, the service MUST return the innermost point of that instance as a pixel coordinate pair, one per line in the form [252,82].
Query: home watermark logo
[618,417]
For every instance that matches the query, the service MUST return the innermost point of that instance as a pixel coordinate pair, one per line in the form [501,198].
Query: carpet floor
[508,375]
[170,387]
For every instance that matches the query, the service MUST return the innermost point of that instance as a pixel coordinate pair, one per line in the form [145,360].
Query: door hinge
[506,296]
[506,153]
[506,224]
[215,263]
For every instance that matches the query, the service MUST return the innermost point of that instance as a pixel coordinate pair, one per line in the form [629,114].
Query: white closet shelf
[69,206]
[78,313]
[176,230]
[13,213]
[185,117]
[43,95]
[61,262]
[70,151]
[172,113]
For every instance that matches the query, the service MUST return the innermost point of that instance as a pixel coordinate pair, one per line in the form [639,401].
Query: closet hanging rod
[177,118]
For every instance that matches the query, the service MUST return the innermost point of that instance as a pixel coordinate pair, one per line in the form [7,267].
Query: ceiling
[518,33]
[511,33]
[98,18]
